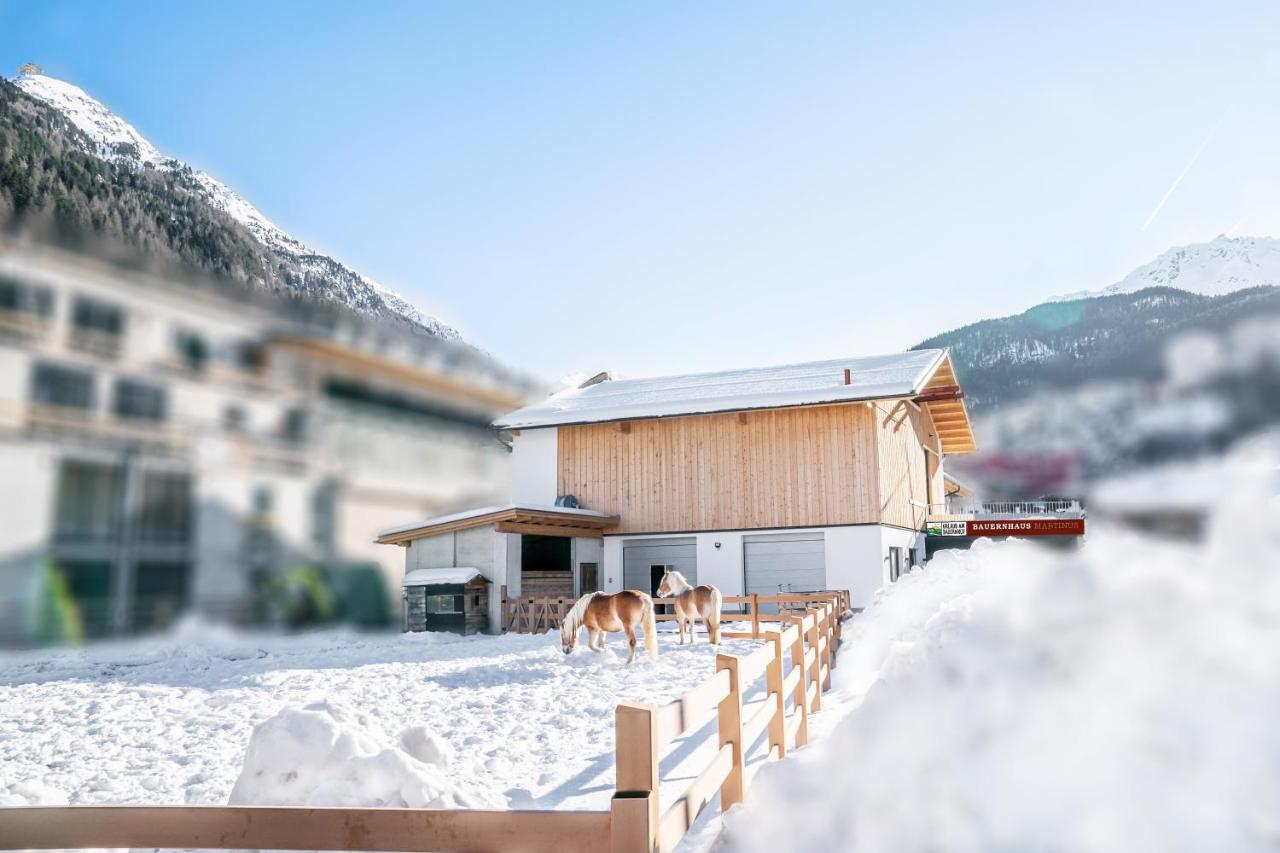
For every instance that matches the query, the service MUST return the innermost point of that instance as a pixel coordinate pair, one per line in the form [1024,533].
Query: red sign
[1027,527]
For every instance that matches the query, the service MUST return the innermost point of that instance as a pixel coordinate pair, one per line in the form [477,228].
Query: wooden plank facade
[811,466]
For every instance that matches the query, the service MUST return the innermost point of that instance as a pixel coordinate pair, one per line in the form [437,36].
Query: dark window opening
[160,594]
[234,418]
[395,403]
[192,350]
[139,400]
[91,315]
[165,515]
[544,553]
[23,298]
[55,385]
[88,508]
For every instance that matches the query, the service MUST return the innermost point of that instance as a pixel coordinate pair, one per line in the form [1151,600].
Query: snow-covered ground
[1119,697]
[169,720]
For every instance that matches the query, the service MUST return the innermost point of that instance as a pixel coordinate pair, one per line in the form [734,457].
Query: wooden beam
[940,393]
[299,828]
[547,530]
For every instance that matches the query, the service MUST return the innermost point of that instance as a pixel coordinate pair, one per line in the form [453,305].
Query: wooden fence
[791,668]
[533,615]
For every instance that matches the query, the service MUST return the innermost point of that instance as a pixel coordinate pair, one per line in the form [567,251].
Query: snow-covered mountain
[310,272]
[1221,266]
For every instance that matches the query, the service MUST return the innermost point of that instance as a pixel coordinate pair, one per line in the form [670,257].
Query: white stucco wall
[855,561]
[533,466]
[856,558]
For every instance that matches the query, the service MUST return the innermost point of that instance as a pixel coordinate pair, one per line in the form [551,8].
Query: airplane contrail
[1187,168]
[1234,228]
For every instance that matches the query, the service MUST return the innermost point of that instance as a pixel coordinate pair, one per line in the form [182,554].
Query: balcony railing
[94,342]
[1007,509]
[23,325]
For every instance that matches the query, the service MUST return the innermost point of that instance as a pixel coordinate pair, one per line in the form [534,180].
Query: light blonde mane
[574,618]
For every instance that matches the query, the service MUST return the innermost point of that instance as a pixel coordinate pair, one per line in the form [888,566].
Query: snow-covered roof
[490,510]
[555,520]
[811,383]
[429,577]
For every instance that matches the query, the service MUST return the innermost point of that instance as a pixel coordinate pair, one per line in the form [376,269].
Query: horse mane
[573,619]
[680,581]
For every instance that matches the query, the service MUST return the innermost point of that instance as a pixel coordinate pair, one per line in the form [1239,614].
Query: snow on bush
[1122,697]
[328,754]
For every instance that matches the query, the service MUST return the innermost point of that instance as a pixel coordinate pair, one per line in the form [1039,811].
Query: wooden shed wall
[909,479]
[811,466]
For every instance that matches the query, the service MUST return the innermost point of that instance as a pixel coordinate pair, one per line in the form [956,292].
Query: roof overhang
[942,398]
[361,363]
[513,518]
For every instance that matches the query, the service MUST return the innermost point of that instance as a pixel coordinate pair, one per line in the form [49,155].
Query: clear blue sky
[652,187]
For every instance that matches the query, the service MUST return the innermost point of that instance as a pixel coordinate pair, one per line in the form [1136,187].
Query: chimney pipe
[848,376]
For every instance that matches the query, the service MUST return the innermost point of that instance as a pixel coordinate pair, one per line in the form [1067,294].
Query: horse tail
[650,627]
[713,619]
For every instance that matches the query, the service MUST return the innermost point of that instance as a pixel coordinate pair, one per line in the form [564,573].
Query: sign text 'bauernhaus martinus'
[1010,527]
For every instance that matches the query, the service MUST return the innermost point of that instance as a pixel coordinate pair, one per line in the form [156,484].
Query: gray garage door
[643,561]
[784,562]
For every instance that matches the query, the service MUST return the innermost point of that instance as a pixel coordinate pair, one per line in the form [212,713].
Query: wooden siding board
[811,466]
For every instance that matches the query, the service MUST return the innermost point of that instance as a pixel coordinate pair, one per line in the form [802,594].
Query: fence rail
[793,665]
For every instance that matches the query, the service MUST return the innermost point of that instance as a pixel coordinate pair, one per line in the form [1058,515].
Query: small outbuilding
[446,599]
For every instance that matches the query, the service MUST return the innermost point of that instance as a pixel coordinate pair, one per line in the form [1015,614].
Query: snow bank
[328,754]
[1122,697]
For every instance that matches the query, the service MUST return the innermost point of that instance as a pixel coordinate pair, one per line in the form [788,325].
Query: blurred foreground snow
[1122,697]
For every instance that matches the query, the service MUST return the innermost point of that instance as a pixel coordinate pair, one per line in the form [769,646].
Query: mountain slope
[1063,344]
[77,198]
[1221,266]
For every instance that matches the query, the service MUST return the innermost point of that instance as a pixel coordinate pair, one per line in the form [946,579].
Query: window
[91,315]
[444,604]
[324,514]
[262,500]
[192,350]
[55,385]
[234,418]
[165,516]
[895,564]
[139,400]
[89,501]
[294,427]
[251,356]
[23,298]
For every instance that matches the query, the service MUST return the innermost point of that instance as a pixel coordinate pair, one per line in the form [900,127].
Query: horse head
[568,637]
[673,583]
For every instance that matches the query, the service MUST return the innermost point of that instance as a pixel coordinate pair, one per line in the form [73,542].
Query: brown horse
[692,603]
[622,611]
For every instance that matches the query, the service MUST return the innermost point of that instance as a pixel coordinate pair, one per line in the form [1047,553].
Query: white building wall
[856,561]
[26,512]
[857,558]
[533,466]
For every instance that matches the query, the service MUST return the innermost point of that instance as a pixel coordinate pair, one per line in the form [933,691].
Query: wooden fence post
[815,676]
[800,705]
[729,720]
[773,684]
[755,616]
[636,774]
[828,632]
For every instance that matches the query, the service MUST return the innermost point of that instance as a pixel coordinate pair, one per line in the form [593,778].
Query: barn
[800,477]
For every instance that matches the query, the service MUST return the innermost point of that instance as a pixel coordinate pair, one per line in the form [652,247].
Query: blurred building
[166,446]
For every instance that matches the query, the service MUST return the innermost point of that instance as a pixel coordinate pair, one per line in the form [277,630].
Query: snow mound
[30,792]
[1122,697]
[328,754]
